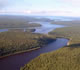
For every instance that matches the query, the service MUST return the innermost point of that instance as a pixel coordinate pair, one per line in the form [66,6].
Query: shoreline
[63,58]
[33,49]
[20,52]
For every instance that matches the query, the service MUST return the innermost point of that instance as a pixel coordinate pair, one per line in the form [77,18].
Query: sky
[41,7]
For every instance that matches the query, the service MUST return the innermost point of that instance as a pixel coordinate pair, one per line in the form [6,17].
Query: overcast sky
[41,7]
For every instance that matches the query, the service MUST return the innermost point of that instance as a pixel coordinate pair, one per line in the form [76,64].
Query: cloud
[4,3]
[73,2]
[51,7]
[38,12]
[53,13]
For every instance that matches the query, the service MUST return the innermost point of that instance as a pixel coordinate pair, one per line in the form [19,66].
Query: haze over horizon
[41,7]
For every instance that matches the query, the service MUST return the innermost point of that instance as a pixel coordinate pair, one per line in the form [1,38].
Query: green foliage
[17,24]
[67,58]
[11,42]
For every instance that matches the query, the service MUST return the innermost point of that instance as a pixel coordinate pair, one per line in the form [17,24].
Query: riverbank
[17,61]
[30,50]
[17,42]
[20,52]
[34,41]
[67,58]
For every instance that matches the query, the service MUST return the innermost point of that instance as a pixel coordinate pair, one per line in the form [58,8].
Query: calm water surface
[14,62]
[44,29]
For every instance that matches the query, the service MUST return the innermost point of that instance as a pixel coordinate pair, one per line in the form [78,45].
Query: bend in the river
[16,61]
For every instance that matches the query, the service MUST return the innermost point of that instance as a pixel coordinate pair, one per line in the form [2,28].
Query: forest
[66,58]
[12,42]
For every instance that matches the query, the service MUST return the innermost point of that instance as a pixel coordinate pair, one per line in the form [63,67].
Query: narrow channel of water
[44,29]
[14,62]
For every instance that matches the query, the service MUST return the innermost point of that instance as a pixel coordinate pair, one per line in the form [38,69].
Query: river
[44,29]
[14,62]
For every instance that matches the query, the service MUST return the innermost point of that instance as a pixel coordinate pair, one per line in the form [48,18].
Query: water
[46,27]
[59,18]
[55,18]
[3,30]
[16,61]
